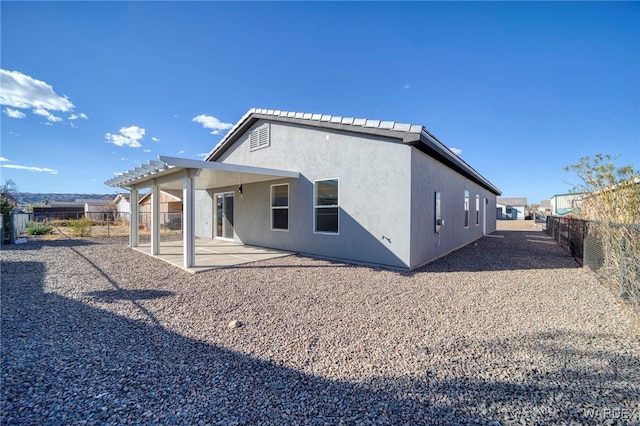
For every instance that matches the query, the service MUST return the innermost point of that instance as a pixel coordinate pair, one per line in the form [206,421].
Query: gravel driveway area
[503,331]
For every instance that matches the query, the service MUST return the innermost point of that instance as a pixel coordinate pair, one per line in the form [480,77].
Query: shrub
[38,228]
[80,227]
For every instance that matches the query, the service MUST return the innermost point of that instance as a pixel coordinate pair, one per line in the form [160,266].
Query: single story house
[98,209]
[59,210]
[359,190]
[170,208]
[122,205]
[545,207]
[511,208]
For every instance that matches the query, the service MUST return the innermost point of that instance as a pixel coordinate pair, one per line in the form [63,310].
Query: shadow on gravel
[65,362]
[40,244]
[121,294]
[517,250]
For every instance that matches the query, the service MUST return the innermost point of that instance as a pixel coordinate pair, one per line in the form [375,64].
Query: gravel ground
[503,331]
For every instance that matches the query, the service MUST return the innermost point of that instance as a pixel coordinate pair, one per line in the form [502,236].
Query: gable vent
[260,138]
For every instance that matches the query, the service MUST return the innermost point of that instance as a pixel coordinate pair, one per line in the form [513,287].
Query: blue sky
[89,89]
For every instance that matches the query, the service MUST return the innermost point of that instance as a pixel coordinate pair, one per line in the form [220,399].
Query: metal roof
[512,201]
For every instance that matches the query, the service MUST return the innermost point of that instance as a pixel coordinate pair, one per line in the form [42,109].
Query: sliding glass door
[224,215]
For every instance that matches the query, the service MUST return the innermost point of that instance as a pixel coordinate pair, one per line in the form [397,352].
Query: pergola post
[188,219]
[155,219]
[133,220]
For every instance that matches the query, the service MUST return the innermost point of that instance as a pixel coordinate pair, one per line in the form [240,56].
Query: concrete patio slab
[212,254]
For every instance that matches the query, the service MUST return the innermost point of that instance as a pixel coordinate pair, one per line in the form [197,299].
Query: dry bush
[613,209]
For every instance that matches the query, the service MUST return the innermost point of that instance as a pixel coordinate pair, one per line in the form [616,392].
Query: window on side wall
[477,209]
[325,206]
[466,209]
[280,207]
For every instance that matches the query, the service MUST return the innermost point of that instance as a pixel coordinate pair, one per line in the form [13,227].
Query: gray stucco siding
[374,193]
[204,214]
[429,177]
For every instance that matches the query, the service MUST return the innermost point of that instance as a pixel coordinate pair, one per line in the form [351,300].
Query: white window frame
[260,137]
[278,207]
[315,206]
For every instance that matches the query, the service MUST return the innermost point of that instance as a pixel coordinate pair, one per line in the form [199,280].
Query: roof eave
[413,134]
[431,146]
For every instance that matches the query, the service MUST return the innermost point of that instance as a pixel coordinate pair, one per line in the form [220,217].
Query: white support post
[133,220]
[155,219]
[188,220]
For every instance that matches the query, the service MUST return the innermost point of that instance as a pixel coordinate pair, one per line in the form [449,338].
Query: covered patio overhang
[188,175]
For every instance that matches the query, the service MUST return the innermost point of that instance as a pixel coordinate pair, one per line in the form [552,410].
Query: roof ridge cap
[341,119]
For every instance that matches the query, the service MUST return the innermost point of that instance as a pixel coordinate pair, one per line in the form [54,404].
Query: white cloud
[22,91]
[133,132]
[456,151]
[81,115]
[3,159]
[30,169]
[202,154]
[146,150]
[210,122]
[182,151]
[155,139]
[407,86]
[14,113]
[129,136]
[50,117]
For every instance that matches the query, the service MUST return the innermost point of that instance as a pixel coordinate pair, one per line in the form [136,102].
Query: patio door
[224,215]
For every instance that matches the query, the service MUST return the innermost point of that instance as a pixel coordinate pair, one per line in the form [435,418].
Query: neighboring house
[61,210]
[170,208]
[545,207]
[563,204]
[511,208]
[376,192]
[98,209]
[122,206]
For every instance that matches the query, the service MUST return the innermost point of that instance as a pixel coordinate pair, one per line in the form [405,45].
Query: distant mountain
[26,198]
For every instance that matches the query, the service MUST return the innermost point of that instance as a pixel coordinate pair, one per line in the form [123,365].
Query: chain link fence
[611,251]
[102,224]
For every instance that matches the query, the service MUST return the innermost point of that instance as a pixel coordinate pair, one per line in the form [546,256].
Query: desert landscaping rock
[235,324]
[508,331]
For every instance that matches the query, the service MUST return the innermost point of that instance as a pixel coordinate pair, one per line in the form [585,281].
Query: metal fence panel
[611,250]
[593,250]
[19,222]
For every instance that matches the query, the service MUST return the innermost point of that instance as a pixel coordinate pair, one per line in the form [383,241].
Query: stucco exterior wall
[374,193]
[429,177]
[204,214]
